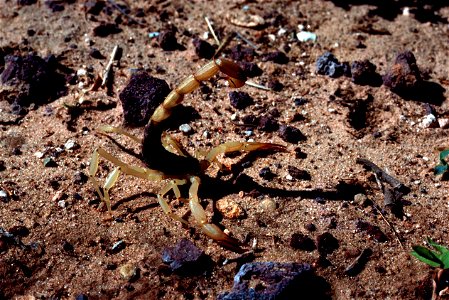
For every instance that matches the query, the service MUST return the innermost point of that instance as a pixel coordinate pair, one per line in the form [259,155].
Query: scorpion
[165,158]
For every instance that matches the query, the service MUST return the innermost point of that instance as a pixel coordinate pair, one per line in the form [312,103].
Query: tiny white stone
[406,11]
[331,110]
[428,121]
[248,132]
[289,177]
[437,185]
[62,204]
[272,37]
[3,194]
[425,158]
[70,144]
[304,36]
[443,122]
[417,182]
[281,31]
[38,154]
[206,134]
[234,116]
[185,128]
[81,72]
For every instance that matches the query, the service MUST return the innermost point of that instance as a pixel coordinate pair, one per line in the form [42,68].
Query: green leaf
[440,169]
[426,256]
[443,155]
[444,253]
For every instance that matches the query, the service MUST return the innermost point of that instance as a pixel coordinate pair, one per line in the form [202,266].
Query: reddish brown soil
[392,138]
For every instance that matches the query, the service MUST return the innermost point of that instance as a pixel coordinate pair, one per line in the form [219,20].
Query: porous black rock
[141,96]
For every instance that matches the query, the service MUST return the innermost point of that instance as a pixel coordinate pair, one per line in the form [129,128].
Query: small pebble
[167,40]
[291,134]
[185,258]
[240,100]
[268,205]
[185,128]
[364,73]
[230,209]
[429,121]
[71,144]
[360,198]
[302,242]
[328,64]
[305,36]
[276,57]
[443,123]
[298,174]
[128,271]
[49,162]
[62,203]
[404,76]
[95,53]
[118,246]
[310,227]
[327,243]
[203,49]
[4,196]
[106,29]
[266,173]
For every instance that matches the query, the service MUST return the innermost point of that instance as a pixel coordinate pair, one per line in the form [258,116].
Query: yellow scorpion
[165,159]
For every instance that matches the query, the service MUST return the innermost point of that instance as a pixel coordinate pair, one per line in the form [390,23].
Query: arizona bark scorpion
[167,160]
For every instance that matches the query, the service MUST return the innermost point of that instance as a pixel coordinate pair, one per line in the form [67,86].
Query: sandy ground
[64,242]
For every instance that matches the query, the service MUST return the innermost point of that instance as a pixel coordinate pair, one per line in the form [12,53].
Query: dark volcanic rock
[141,97]
[167,40]
[302,242]
[203,49]
[327,243]
[328,64]
[30,80]
[273,280]
[372,230]
[364,73]
[185,258]
[404,76]
[240,100]
[291,134]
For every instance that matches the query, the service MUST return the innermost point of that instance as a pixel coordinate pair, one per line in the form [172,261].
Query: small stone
[49,162]
[240,100]
[66,246]
[328,64]
[443,123]
[80,178]
[429,121]
[298,174]
[327,243]
[128,271]
[304,36]
[268,205]
[62,203]
[266,173]
[300,101]
[203,49]
[19,230]
[268,124]
[364,73]
[167,40]
[310,227]
[360,198]
[276,57]
[291,134]
[185,258]
[250,69]
[302,242]
[118,246]
[95,53]
[4,197]
[185,128]
[106,29]
[275,85]
[372,230]
[71,145]
[230,209]
[404,76]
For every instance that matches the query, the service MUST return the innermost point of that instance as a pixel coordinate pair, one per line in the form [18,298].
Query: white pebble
[3,194]
[304,36]
[443,122]
[70,144]
[185,128]
[81,72]
[289,177]
[428,121]
[234,116]
[248,132]
[62,204]
[38,154]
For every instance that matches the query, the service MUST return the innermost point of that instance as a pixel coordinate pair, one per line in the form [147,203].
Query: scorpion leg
[240,146]
[118,130]
[211,230]
[127,169]
[172,185]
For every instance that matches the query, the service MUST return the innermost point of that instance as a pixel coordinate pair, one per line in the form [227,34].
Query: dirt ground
[64,246]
